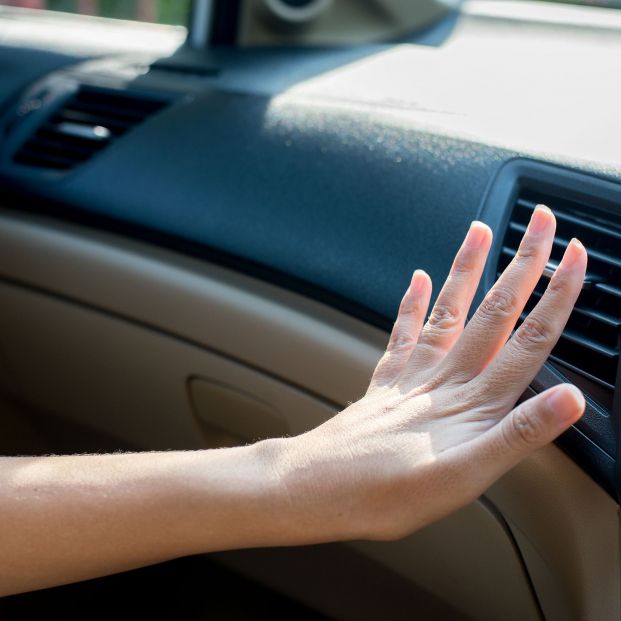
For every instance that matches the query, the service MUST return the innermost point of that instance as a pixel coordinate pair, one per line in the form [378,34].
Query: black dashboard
[335,173]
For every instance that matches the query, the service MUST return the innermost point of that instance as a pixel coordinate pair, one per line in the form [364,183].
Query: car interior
[210,211]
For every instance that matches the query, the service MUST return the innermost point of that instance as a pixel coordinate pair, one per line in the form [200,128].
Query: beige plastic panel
[567,527]
[130,381]
[458,552]
[243,415]
[568,531]
[248,320]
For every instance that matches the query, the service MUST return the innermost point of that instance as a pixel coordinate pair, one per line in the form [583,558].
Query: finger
[492,323]
[514,367]
[448,316]
[530,426]
[406,330]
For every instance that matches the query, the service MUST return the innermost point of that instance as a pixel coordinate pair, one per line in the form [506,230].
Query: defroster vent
[589,345]
[88,122]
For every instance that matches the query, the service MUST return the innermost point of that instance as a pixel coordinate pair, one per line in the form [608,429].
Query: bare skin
[434,430]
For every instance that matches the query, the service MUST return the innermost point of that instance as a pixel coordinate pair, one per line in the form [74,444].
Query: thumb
[531,425]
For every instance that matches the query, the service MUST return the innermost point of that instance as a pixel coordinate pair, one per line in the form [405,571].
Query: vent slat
[608,320]
[590,343]
[90,120]
[112,123]
[593,378]
[509,253]
[45,160]
[608,288]
[583,341]
[566,217]
[587,343]
[41,143]
[561,243]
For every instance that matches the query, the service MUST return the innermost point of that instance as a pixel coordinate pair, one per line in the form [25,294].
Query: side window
[174,12]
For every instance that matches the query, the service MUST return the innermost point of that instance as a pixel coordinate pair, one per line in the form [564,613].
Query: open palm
[437,425]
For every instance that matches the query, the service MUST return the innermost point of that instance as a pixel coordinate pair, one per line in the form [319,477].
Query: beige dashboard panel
[132,382]
[91,320]
[242,414]
[250,321]
[568,530]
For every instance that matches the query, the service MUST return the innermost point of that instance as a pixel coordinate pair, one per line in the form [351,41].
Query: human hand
[436,426]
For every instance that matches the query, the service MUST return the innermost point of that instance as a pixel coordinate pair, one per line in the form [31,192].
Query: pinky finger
[405,332]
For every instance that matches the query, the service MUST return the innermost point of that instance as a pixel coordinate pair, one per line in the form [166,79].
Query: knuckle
[445,317]
[560,284]
[408,307]
[526,252]
[533,331]
[499,302]
[490,390]
[486,395]
[401,341]
[462,268]
[467,398]
[525,425]
[435,380]
[406,303]
[464,264]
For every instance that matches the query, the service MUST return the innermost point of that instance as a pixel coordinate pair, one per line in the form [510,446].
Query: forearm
[68,518]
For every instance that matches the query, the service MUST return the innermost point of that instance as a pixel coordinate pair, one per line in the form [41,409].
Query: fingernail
[419,282]
[540,220]
[573,253]
[477,233]
[566,399]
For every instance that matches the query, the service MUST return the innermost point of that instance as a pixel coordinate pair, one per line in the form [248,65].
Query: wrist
[311,500]
[275,492]
[242,497]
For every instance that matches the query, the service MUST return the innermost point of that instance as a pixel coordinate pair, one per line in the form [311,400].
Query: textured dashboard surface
[349,203]
[345,170]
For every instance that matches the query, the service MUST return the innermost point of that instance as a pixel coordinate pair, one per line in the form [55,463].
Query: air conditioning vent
[87,123]
[589,345]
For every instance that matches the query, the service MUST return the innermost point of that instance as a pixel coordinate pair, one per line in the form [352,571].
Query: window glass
[158,11]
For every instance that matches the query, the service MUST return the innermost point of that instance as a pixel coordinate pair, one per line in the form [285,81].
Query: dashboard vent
[589,345]
[87,122]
